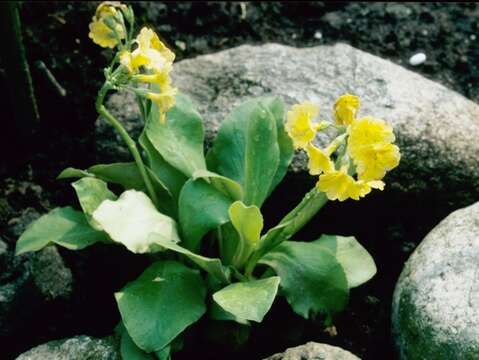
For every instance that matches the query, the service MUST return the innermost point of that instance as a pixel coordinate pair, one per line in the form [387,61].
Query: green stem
[294,221]
[128,140]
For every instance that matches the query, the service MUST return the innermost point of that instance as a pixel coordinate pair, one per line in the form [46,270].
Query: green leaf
[357,263]
[201,208]
[180,138]
[91,192]
[246,150]
[124,174]
[131,219]
[129,350]
[248,300]
[166,299]
[247,220]
[312,279]
[216,312]
[62,226]
[286,149]
[212,266]
[168,175]
[73,173]
[128,176]
[227,186]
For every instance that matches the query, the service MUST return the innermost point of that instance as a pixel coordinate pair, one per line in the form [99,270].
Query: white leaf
[132,218]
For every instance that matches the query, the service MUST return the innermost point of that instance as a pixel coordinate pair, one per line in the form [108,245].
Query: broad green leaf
[227,186]
[62,226]
[128,176]
[212,266]
[313,281]
[216,312]
[164,354]
[73,173]
[201,208]
[357,264]
[130,351]
[91,192]
[124,174]
[161,303]
[246,150]
[168,175]
[248,300]
[286,149]
[131,219]
[180,138]
[247,220]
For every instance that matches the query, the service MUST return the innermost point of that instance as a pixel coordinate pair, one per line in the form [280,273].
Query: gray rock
[76,348]
[436,128]
[436,301]
[314,351]
[52,278]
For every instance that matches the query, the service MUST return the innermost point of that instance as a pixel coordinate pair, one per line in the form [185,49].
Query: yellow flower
[100,32]
[345,109]
[165,100]
[338,185]
[319,160]
[151,52]
[371,149]
[162,79]
[298,123]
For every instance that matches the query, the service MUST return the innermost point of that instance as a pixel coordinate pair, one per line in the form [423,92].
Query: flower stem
[128,141]
[294,221]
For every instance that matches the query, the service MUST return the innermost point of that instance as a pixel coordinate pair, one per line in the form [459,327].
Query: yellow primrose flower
[345,109]
[339,185]
[100,32]
[318,160]
[162,79]
[151,52]
[370,146]
[298,123]
[165,100]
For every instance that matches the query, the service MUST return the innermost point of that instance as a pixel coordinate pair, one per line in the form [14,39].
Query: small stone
[314,351]
[318,35]
[417,59]
[472,37]
[436,301]
[180,44]
[76,348]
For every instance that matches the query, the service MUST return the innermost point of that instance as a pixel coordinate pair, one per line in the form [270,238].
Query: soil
[56,33]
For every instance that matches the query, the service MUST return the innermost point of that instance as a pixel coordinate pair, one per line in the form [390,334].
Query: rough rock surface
[314,351]
[436,128]
[436,301]
[77,348]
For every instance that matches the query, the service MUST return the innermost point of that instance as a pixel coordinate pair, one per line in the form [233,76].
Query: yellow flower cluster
[157,61]
[106,28]
[369,151]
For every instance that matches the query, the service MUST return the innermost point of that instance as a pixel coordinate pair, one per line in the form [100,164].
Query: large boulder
[314,351]
[436,301]
[77,348]
[436,127]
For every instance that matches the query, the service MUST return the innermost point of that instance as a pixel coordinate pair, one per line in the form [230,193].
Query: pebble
[318,35]
[417,59]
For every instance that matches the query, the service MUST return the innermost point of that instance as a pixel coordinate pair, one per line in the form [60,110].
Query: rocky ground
[56,33]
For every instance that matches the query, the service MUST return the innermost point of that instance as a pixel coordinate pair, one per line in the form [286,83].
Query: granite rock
[436,127]
[436,301]
[314,351]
